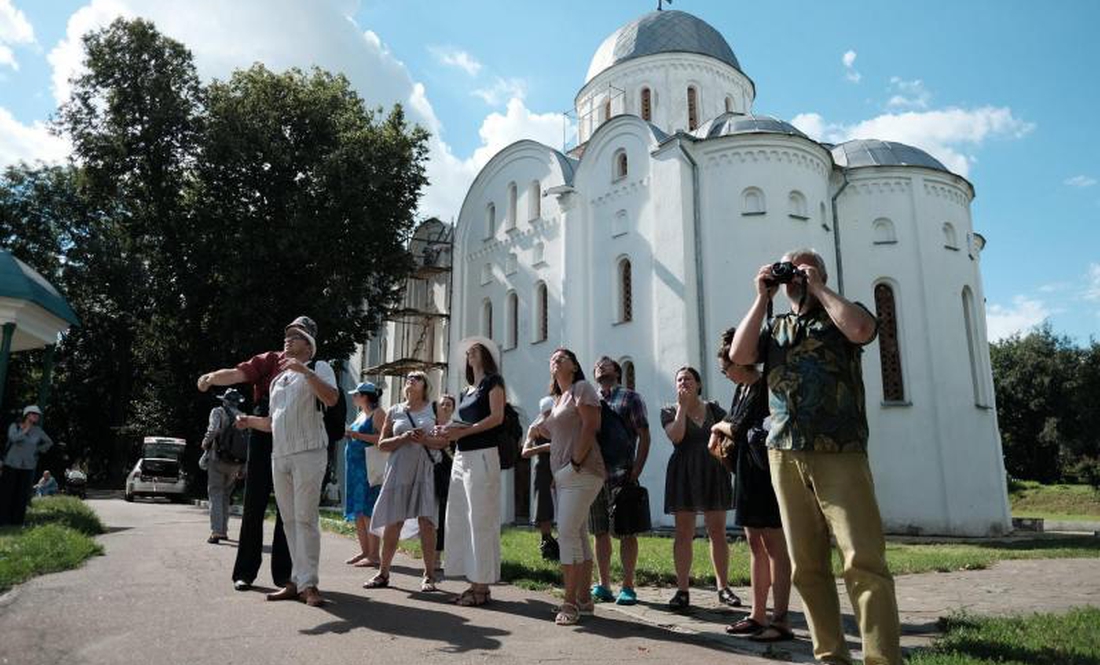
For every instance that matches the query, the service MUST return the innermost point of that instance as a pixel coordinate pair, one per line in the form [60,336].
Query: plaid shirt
[631,408]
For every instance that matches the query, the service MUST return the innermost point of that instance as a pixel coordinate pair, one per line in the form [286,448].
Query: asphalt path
[161,594]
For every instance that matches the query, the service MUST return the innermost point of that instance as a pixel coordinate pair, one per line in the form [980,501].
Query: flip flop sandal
[473,598]
[568,615]
[777,634]
[377,582]
[366,563]
[355,559]
[745,627]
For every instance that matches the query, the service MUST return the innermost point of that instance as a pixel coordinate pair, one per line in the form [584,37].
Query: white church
[641,243]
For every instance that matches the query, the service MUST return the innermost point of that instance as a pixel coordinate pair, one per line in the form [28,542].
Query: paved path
[163,595]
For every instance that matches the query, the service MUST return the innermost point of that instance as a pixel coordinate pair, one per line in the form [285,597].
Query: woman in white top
[407,504]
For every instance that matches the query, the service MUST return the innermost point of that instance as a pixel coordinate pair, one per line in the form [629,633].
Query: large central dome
[661,32]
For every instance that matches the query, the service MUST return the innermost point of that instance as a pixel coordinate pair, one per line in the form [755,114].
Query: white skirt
[472,534]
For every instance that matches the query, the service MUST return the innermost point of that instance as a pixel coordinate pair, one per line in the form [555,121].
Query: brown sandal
[471,598]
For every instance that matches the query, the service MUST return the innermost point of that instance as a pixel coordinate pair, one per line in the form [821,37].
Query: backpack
[615,439]
[335,416]
[231,444]
[510,437]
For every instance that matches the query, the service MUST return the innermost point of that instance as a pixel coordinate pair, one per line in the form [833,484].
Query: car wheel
[128,497]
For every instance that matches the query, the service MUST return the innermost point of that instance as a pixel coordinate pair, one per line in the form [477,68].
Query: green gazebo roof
[20,281]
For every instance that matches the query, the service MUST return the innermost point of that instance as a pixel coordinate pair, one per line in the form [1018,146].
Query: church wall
[668,76]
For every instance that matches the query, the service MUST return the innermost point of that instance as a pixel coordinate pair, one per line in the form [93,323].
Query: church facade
[641,244]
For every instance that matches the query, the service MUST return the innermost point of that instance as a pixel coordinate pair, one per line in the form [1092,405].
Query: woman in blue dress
[359,493]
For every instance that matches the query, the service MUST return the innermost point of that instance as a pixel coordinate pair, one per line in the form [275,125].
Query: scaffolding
[580,123]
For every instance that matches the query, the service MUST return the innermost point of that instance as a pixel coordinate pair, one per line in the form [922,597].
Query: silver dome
[745,123]
[661,32]
[872,152]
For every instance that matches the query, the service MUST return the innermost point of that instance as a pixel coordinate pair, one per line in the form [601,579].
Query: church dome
[729,124]
[872,152]
[661,32]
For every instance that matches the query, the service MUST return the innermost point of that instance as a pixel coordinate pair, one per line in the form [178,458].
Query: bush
[65,511]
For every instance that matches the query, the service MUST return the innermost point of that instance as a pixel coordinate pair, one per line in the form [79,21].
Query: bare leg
[427,545]
[603,558]
[569,576]
[362,532]
[681,549]
[760,573]
[628,555]
[389,547]
[546,528]
[715,521]
[776,546]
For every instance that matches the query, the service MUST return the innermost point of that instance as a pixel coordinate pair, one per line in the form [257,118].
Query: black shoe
[728,597]
[241,585]
[549,549]
[680,601]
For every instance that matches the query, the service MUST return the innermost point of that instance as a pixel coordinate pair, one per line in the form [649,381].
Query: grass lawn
[57,536]
[1054,502]
[1039,639]
[521,564]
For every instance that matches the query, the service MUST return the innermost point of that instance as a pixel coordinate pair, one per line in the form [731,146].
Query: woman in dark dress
[757,510]
[695,482]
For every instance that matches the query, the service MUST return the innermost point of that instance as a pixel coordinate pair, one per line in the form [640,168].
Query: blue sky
[1004,92]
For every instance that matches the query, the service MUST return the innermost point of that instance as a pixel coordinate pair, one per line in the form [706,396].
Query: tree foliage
[195,221]
[1046,391]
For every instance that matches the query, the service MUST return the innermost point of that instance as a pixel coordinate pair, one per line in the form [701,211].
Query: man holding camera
[818,452]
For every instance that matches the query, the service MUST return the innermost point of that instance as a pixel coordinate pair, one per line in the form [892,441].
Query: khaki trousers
[819,492]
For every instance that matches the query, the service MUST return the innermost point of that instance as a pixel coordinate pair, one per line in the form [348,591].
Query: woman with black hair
[579,475]
[360,494]
[696,482]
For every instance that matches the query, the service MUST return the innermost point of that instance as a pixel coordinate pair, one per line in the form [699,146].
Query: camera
[784,272]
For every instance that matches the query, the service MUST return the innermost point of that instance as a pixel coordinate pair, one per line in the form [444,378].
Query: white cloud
[28,143]
[1023,315]
[908,94]
[1092,288]
[453,57]
[502,90]
[849,60]
[224,36]
[949,135]
[1080,181]
[14,29]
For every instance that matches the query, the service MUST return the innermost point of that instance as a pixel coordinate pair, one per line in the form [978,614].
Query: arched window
[647,104]
[619,165]
[693,108]
[752,201]
[628,373]
[542,305]
[607,109]
[882,232]
[512,314]
[893,388]
[796,206]
[487,318]
[950,240]
[490,221]
[513,198]
[626,295]
[534,200]
[729,104]
[977,374]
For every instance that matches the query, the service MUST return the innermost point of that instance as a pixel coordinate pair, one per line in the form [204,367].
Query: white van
[159,472]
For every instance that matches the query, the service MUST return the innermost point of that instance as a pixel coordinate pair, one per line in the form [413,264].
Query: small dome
[661,32]
[729,124]
[872,152]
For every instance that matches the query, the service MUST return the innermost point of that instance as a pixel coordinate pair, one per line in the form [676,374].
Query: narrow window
[513,321]
[647,105]
[693,109]
[882,232]
[893,389]
[628,373]
[626,300]
[534,201]
[487,318]
[977,376]
[513,196]
[950,241]
[607,109]
[729,104]
[490,221]
[542,301]
[796,204]
[619,166]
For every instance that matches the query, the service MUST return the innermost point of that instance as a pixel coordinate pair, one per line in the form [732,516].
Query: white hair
[812,253]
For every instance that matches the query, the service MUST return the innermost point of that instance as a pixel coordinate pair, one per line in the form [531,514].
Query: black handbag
[630,510]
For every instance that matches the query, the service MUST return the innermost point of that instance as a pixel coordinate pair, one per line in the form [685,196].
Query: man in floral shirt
[818,454]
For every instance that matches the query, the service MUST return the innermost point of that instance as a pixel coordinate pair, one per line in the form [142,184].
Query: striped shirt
[297,422]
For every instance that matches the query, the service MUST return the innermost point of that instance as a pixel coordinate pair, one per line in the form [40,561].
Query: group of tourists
[789,456]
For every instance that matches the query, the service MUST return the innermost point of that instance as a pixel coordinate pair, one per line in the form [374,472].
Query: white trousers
[297,479]
[472,533]
[576,492]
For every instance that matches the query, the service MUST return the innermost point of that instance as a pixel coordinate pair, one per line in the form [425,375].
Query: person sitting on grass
[47,486]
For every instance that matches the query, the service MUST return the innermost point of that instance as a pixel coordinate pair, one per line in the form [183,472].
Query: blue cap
[366,388]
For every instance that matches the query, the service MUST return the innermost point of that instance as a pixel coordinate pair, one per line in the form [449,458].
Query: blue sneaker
[627,597]
[602,594]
